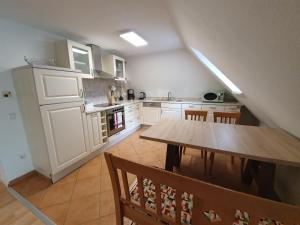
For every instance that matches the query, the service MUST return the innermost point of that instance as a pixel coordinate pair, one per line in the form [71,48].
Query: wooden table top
[258,143]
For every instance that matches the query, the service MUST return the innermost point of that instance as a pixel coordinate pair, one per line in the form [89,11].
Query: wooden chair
[196,115]
[204,197]
[230,118]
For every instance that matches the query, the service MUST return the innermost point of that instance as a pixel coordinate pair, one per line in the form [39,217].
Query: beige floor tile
[108,220]
[105,184]
[89,170]
[86,187]
[36,199]
[107,205]
[72,177]
[58,193]
[57,213]
[93,222]
[83,210]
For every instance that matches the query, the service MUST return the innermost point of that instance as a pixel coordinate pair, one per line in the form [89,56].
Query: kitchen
[91,100]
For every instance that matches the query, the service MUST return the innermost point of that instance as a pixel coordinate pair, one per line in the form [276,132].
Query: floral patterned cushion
[168,203]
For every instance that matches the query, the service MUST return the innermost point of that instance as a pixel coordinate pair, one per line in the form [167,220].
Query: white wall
[175,70]
[256,44]
[17,41]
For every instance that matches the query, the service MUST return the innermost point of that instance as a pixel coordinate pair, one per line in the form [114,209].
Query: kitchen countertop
[164,100]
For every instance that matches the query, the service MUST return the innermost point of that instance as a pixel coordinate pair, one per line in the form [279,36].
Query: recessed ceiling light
[134,39]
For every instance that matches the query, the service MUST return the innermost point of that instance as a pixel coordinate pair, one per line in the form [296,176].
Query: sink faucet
[169,96]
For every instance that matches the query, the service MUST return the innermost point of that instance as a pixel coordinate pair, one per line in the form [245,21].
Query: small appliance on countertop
[130,94]
[142,95]
[213,96]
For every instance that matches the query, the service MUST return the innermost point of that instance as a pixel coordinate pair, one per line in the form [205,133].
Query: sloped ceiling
[99,21]
[256,44]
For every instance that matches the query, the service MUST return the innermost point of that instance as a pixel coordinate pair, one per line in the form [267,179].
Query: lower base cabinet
[65,128]
[94,129]
[151,116]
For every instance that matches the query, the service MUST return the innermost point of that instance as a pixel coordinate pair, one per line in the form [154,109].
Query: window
[216,71]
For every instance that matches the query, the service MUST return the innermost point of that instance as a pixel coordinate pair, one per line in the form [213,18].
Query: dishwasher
[151,112]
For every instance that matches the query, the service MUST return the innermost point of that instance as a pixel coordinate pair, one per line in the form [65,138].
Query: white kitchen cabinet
[75,56]
[132,115]
[210,108]
[189,107]
[232,108]
[53,86]
[169,113]
[65,128]
[114,65]
[151,115]
[95,131]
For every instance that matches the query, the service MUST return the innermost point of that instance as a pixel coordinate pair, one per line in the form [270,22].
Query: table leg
[173,157]
[264,175]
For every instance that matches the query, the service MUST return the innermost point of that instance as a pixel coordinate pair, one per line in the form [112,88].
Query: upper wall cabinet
[114,65]
[74,55]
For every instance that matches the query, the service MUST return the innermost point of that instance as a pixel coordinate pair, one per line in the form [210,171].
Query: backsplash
[96,90]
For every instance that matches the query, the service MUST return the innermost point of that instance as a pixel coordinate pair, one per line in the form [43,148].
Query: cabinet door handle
[213,107]
[80,93]
[82,107]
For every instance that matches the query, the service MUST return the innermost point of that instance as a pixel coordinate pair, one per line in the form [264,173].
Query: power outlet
[6,94]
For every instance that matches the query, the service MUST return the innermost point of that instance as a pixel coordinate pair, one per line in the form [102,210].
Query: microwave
[213,96]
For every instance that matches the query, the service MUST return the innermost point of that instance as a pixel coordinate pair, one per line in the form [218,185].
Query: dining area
[255,151]
[225,148]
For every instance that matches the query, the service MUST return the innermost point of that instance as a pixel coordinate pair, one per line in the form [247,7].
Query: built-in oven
[115,120]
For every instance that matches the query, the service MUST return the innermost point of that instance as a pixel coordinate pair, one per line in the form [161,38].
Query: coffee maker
[130,94]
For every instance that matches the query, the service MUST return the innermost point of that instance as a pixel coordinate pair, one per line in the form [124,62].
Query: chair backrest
[195,115]
[204,197]
[227,117]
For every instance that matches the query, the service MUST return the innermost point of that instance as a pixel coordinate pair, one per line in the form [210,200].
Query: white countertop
[178,101]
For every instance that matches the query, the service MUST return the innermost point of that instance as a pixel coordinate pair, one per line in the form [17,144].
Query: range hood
[97,63]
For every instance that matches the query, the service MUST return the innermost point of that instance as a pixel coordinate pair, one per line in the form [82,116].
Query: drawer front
[213,108]
[132,107]
[132,114]
[170,105]
[132,121]
[152,104]
[233,108]
[192,106]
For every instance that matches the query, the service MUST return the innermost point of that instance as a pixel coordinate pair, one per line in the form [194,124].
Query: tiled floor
[85,196]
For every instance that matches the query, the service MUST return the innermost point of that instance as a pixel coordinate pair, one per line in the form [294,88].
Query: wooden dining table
[263,147]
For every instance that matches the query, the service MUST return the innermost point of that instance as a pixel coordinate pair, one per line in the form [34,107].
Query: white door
[151,116]
[95,131]
[55,86]
[171,113]
[66,134]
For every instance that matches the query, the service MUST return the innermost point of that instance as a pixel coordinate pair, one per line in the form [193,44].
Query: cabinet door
[190,107]
[95,131]
[81,58]
[119,67]
[151,116]
[66,134]
[171,113]
[55,86]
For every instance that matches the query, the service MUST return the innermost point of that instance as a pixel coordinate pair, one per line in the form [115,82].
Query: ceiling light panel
[134,39]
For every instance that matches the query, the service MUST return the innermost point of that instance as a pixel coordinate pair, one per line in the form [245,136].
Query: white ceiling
[99,21]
